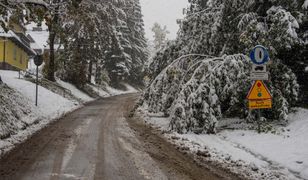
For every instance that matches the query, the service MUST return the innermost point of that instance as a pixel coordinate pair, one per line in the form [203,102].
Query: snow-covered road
[100,142]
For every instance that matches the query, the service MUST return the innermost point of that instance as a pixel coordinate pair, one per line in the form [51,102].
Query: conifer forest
[154,89]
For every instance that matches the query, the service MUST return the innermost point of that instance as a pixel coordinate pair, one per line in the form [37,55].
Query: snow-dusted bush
[197,91]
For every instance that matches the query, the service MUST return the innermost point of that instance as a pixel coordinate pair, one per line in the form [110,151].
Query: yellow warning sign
[260,104]
[259,92]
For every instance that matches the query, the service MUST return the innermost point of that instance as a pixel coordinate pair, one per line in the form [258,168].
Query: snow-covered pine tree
[127,52]
[82,37]
[117,58]
[215,28]
[281,26]
[112,44]
[139,52]
[163,58]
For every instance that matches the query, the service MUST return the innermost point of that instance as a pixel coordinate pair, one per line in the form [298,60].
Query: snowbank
[26,117]
[283,155]
[49,103]
[99,90]
[108,91]
[129,89]
[76,92]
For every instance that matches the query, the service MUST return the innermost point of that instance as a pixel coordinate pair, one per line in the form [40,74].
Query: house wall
[14,55]
[1,49]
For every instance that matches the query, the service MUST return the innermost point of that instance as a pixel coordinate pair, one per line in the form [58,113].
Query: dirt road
[99,142]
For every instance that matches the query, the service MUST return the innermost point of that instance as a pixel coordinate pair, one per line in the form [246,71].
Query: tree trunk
[90,69]
[52,36]
[51,64]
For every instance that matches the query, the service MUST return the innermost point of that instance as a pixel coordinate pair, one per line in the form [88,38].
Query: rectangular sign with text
[260,104]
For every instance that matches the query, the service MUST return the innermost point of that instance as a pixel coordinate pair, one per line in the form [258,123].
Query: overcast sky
[165,12]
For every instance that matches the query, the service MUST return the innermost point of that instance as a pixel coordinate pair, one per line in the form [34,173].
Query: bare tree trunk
[51,64]
[52,36]
[90,69]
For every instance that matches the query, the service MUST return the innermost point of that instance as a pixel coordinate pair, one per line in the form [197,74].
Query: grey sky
[165,12]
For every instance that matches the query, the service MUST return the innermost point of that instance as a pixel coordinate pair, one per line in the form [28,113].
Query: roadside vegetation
[203,76]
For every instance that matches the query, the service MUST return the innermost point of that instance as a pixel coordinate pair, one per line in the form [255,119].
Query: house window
[15,54]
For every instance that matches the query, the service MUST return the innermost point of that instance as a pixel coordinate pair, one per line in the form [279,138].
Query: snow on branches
[196,91]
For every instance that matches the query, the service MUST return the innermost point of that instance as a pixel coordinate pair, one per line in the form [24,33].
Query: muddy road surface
[99,141]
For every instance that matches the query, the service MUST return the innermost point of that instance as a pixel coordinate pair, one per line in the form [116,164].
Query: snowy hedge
[196,91]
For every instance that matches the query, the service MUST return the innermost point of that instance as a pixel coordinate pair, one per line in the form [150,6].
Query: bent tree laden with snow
[196,91]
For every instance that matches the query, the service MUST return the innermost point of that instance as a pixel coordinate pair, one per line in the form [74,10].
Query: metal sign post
[38,60]
[259,96]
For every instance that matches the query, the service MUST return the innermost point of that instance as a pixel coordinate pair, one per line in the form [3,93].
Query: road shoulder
[173,159]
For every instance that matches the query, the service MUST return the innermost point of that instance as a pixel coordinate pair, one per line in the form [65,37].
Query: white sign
[259,68]
[259,76]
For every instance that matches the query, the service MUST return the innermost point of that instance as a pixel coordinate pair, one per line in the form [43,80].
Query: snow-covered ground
[76,92]
[50,106]
[100,91]
[129,89]
[21,118]
[110,91]
[283,155]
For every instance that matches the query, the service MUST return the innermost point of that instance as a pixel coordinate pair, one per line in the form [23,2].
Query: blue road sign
[259,55]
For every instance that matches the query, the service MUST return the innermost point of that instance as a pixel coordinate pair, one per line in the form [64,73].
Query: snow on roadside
[99,91]
[245,152]
[129,89]
[110,91]
[49,103]
[76,92]
[50,106]
[288,149]
[20,118]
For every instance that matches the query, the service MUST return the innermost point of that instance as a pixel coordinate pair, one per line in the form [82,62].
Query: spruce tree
[196,89]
